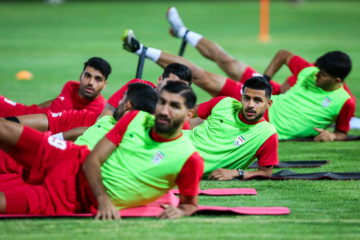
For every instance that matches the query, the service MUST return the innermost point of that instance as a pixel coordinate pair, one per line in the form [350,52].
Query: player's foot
[177,28]
[130,43]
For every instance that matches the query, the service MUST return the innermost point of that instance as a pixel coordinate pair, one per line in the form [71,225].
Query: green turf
[53,42]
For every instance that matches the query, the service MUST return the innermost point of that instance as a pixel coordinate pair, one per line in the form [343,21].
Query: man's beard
[119,112]
[86,94]
[256,118]
[169,128]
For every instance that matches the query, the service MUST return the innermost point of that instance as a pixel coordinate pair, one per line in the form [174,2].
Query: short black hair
[142,97]
[335,63]
[180,70]
[258,83]
[183,89]
[99,64]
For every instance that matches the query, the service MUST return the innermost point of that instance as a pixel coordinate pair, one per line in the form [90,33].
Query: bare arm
[282,57]
[45,104]
[195,122]
[74,133]
[222,174]
[92,171]
[108,110]
[187,206]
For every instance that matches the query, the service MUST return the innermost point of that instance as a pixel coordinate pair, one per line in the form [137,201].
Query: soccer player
[138,161]
[84,94]
[316,100]
[218,85]
[235,133]
[138,96]
[77,121]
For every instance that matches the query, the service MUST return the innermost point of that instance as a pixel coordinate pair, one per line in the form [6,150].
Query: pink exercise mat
[154,209]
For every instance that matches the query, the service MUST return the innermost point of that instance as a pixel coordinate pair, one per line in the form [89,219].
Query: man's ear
[269,103]
[105,84]
[338,80]
[189,115]
[159,80]
[128,106]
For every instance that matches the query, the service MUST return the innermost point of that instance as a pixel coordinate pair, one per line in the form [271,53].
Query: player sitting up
[137,162]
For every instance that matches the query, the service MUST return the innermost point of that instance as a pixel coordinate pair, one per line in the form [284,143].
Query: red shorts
[10,108]
[66,120]
[52,186]
[233,88]
[8,165]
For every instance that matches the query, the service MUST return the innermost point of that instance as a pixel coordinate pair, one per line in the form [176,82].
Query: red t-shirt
[191,172]
[117,96]
[267,154]
[69,99]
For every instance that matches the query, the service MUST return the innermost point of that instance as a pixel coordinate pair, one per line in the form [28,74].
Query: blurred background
[53,38]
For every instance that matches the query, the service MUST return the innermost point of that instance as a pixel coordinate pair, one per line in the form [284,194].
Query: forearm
[249,174]
[92,167]
[265,171]
[92,172]
[282,57]
[45,104]
[73,134]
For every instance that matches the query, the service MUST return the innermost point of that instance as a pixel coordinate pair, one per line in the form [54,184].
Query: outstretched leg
[10,133]
[233,68]
[210,82]
[14,142]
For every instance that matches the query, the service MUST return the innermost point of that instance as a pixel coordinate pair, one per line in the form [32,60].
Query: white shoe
[177,28]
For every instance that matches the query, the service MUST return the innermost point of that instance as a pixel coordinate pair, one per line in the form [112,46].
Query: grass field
[53,42]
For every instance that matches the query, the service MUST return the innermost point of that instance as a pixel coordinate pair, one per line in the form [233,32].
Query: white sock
[181,32]
[138,52]
[193,38]
[58,136]
[153,54]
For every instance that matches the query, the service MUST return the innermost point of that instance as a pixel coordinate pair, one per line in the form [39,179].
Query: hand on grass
[170,212]
[107,210]
[324,136]
[222,174]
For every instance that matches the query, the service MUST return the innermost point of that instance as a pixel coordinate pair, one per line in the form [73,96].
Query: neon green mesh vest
[96,132]
[224,141]
[141,170]
[305,106]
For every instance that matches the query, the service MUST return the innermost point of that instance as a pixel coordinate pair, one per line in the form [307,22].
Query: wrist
[241,174]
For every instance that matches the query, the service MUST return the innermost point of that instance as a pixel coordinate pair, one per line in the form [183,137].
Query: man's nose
[165,110]
[251,103]
[91,82]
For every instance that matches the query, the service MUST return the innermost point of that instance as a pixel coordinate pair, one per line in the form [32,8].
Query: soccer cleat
[130,43]
[177,28]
